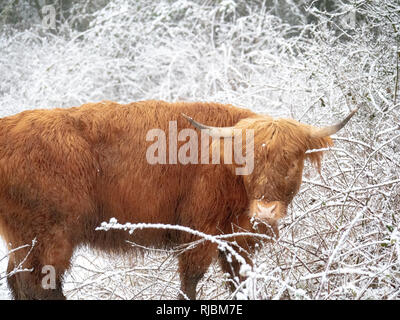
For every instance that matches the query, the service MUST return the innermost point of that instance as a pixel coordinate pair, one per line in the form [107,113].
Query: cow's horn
[327,131]
[219,132]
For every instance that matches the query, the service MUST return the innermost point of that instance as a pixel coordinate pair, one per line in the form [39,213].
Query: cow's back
[80,166]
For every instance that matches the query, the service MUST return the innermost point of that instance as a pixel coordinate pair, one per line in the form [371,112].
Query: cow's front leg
[232,266]
[193,264]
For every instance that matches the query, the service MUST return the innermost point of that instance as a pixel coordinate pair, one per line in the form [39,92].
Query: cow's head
[280,148]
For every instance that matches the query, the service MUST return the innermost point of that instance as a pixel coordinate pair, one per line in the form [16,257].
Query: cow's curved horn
[327,131]
[219,132]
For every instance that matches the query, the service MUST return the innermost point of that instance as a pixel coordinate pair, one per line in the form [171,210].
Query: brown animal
[64,171]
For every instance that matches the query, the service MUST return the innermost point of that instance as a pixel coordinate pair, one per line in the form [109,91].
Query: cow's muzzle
[265,216]
[267,210]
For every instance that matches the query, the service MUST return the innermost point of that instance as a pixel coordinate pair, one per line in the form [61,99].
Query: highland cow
[65,171]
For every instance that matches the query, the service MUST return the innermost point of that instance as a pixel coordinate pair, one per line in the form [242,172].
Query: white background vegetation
[308,60]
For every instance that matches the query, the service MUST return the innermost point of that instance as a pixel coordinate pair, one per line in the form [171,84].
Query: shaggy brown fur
[64,171]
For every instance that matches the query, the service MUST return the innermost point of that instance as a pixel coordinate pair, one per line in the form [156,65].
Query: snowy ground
[154,276]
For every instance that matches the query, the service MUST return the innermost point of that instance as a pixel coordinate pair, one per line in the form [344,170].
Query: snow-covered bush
[310,62]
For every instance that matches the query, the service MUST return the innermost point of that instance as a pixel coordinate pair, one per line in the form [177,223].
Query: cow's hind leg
[37,274]
[193,264]
[12,281]
[29,285]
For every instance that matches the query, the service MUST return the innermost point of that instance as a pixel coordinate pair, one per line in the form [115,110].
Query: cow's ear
[316,148]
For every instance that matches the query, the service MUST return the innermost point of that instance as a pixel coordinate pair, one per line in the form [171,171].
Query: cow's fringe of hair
[288,135]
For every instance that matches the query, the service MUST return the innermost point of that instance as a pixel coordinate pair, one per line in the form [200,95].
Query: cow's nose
[266,210]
